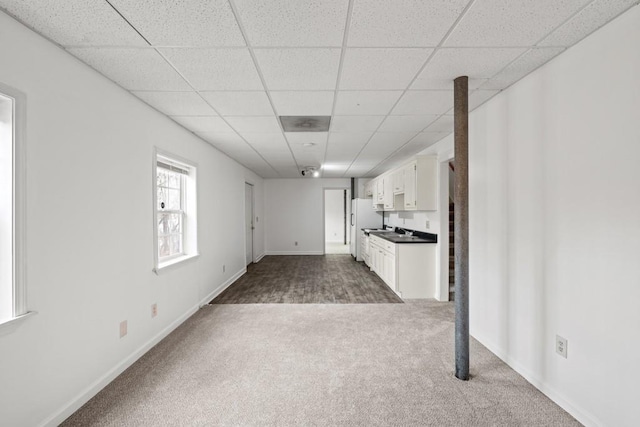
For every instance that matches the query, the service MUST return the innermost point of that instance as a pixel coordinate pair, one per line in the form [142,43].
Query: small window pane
[162,178]
[174,199]
[175,180]
[176,244]
[163,246]
[162,198]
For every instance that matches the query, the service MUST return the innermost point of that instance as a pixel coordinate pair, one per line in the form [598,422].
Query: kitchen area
[404,258]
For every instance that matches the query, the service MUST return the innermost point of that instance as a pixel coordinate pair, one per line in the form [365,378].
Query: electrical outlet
[154,310]
[123,328]
[404,221]
[426,224]
[561,346]
[295,243]
[224,267]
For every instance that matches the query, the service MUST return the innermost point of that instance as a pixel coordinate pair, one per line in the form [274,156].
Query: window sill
[7,326]
[173,263]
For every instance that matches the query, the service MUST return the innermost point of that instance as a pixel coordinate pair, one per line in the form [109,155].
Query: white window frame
[18,231]
[188,211]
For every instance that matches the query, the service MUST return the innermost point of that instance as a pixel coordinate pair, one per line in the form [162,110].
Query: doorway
[248,221]
[337,207]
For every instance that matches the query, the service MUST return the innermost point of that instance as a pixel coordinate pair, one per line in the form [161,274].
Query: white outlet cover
[123,328]
[561,346]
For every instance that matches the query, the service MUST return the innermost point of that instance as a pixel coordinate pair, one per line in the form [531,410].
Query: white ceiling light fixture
[308,171]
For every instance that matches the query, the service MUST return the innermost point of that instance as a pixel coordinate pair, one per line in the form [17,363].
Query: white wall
[334,210]
[89,225]
[294,213]
[554,225]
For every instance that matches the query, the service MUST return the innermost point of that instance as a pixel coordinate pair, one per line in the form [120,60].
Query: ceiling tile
[262,139]
[589,19]
[481,63]
[303,103]
[344,147]
[425,139]
[300,138]
[443,124]
[203,123]
[406,123]
[511,23]
[182,23]
[290,23]
[383,144]
[254,124]
[522,66]
[442,84]
[355,123]
[479,97]
[381,69]
[299,69]
[426,102]
[216,69]
[234,103]
[367,103]
[402,22]
[133,69]
[75,22]
[177,103]
[221,138]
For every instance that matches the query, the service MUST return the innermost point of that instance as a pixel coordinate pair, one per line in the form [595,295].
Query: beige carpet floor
[317,365]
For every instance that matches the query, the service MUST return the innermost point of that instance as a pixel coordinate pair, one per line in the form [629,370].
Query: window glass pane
[175,223]
[176,244]
[174,180]
[163,246]
[162,198]
[162,177]
[174,200]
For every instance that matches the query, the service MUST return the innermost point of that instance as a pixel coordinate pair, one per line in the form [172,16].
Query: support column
[461,224]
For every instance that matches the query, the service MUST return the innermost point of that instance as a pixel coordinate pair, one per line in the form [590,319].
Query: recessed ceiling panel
[403,23]
[303,103]
[367,103]
[75,22]
[425,102]
[183,23]
[293,23]
[203,123]
[522,66]
[299,69]
[481,63]
[381,69]
[133,69]
[305,123]
[221,138]
[234,103]
[589,19]
[355,123]
[511,23]
[443,124]
[254,124]
[216,69]
[406,123]
[177,103]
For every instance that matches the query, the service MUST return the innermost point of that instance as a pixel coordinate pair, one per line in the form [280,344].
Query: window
[175,210]
[12,295]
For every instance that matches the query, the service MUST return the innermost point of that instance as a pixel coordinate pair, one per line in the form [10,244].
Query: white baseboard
[579,413]
[204,301]
[84,396]
[259,257]
[295,253]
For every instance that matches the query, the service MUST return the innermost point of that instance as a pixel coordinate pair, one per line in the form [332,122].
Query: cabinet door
[389,270]
[410,186]
[398,181]
[380,191]
[388,192]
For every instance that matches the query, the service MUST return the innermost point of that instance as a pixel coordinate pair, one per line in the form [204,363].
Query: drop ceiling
[383,70]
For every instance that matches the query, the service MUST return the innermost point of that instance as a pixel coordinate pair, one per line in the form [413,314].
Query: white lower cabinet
[409,269]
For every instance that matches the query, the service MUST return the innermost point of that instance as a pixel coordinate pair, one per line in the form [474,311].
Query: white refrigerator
[362,216]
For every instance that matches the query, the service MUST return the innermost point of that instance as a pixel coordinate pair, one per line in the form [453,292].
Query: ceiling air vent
[305,123]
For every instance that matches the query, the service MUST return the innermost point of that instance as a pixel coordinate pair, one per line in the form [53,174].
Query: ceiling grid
[226,69]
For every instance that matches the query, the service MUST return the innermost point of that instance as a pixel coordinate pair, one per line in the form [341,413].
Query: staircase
[452,258]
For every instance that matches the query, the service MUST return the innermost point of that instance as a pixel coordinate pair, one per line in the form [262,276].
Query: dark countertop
[399,236]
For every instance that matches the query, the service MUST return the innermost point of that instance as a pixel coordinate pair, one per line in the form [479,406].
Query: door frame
[324,224]
[252,207]
[442,272]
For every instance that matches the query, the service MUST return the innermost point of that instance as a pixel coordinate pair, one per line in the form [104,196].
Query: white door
[248,218]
